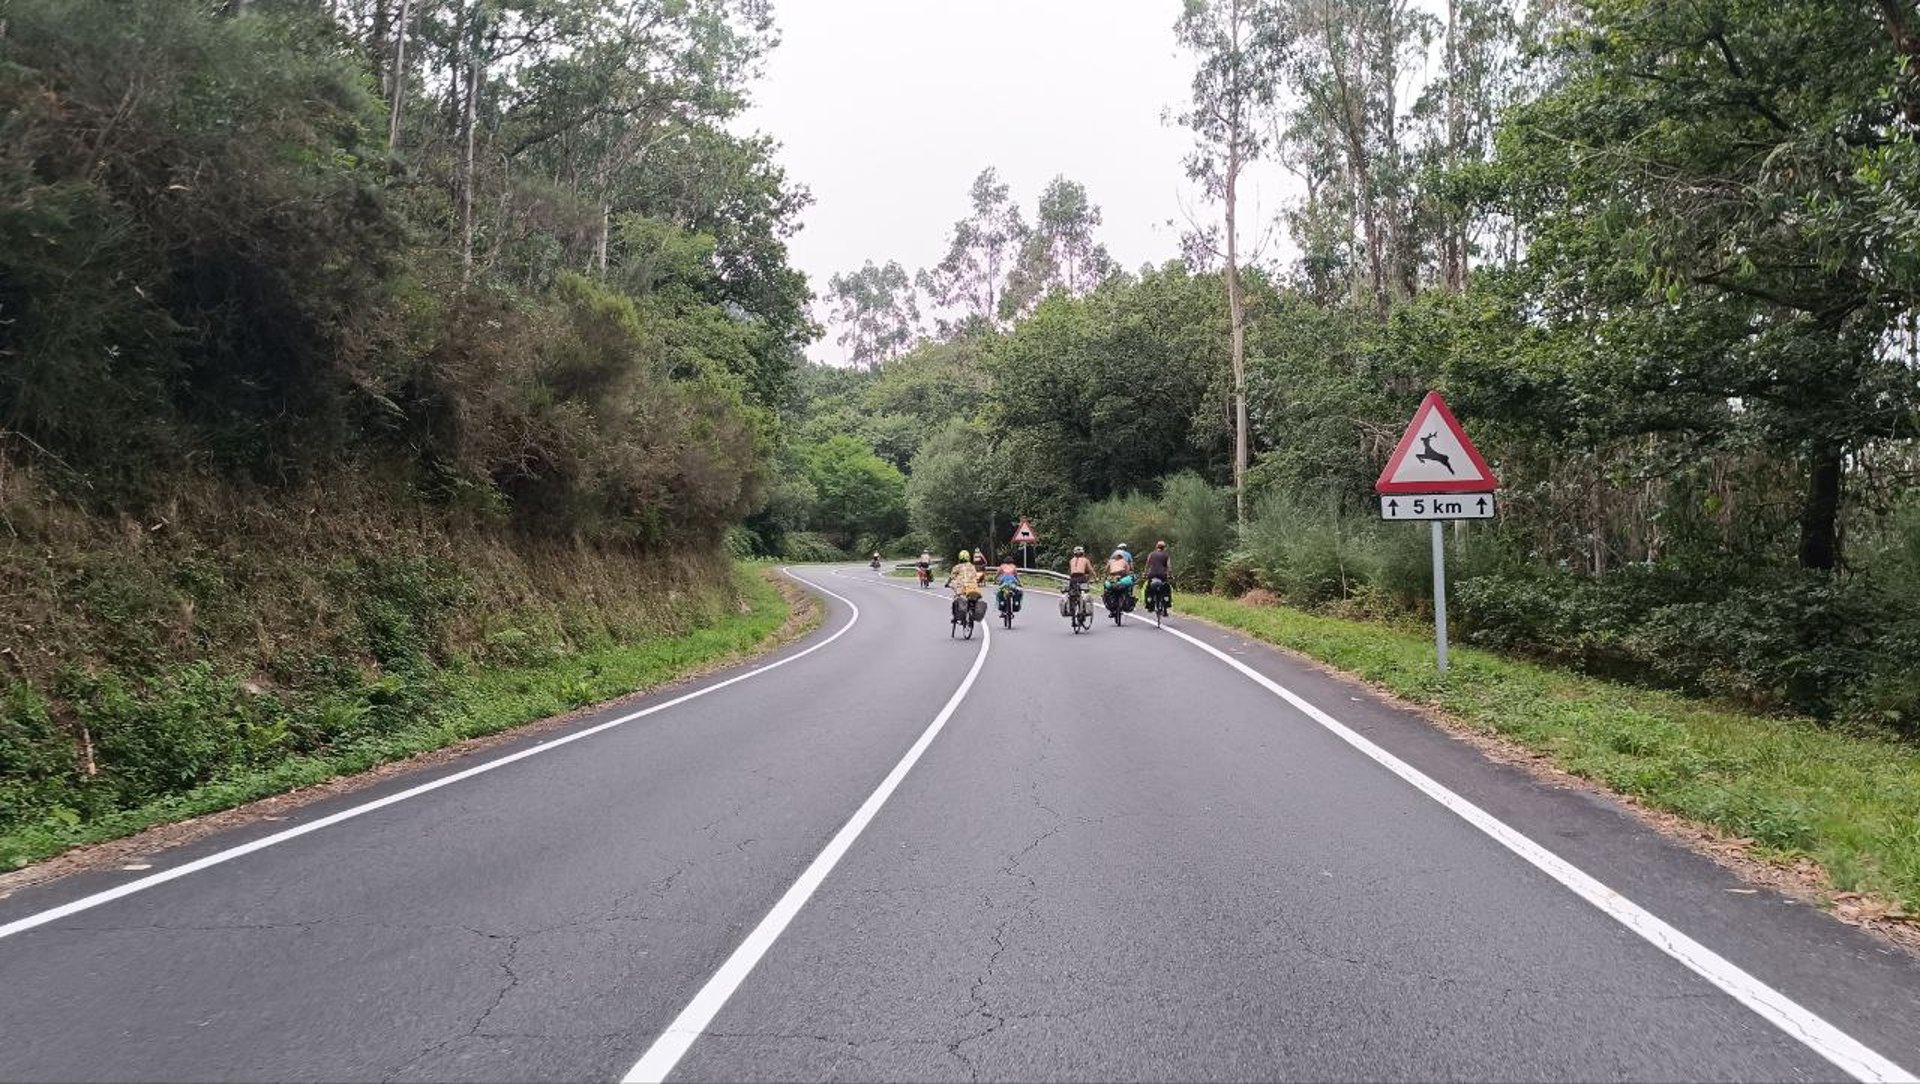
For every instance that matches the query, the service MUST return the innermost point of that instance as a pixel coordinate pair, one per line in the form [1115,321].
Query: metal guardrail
[909,566]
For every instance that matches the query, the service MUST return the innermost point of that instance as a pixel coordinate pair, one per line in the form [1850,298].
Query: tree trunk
[469,115]
[380,46]
[397,90]
[600,240]
[1398,229]
[1353,132]
[1237,322]
[1236,303]
[1820,520]
[1454,243]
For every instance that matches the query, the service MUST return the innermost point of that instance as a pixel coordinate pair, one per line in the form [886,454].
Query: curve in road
[1115,861]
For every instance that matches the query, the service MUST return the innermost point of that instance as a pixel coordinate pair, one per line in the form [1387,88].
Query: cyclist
[924,568]
[1080,566]
[1079,573]
[1159,574]
[1008,576]
[1120,575]
[964,578]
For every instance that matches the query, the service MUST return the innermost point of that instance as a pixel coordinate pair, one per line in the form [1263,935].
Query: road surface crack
[665,884]
[981,1007]
[506,965]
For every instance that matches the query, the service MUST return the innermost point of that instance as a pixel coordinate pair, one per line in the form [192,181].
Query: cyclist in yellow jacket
[964,578]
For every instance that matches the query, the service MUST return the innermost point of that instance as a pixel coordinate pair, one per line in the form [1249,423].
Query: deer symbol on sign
[1427,453]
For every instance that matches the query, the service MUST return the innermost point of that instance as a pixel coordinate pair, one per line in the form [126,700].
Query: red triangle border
[1488,484]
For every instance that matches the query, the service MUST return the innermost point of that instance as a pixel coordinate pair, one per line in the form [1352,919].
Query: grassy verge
[471,701]
[1849,802]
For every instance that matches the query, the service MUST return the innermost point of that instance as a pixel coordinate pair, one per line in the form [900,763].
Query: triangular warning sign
[1435,456]
[1025,533]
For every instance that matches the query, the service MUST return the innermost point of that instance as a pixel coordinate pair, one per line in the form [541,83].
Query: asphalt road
[1107,856]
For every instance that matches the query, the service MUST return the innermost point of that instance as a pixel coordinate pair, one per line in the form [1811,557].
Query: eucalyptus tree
[635,78]
[970,281]
[1237,46]
[1061,252]
[877,312]
[1476,83]
[1346,73]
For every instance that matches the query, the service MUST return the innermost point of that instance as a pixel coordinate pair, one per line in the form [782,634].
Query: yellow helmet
[964,556]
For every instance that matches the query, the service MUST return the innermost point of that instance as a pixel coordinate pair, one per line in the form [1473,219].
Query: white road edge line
[692,1022]
[1798,1022]
[86,903]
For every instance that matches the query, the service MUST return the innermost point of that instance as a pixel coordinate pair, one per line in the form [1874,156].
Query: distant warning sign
[1435,456]
[1024,534]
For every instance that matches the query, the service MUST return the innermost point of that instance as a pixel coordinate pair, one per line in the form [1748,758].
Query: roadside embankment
[164,670]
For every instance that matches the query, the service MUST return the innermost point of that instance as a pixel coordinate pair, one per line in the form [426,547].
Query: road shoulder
[138,846]
[1574,757]
[1852,975]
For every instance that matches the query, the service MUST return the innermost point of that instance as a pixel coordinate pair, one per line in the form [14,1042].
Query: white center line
[672,1045]
[86,903]
[1852,1056]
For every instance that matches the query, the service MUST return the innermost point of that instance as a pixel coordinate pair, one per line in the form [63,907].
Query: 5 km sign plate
[1436,506]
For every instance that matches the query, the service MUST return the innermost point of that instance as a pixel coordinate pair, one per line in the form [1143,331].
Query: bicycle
[1078,613]
[926,577]
[1158,593]
[1119,599]
[1004,600]
[968,611]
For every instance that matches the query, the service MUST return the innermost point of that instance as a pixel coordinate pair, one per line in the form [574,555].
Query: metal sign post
[1445,480]
[1440,594]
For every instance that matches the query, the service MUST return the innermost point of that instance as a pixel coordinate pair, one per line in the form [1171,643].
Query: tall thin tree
[397,78]
[1235,43]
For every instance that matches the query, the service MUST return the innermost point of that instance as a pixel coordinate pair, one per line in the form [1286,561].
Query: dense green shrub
[948,500]
[859,496]
[1306,554]
[1797,642]
[1834,647]
[207,274]
[1135,519]
[211,268]
[1199,529]
[807,546]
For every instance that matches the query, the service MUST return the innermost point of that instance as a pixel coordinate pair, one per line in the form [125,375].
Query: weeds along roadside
[239,649]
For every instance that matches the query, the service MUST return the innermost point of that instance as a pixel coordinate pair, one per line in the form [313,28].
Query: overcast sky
[887,109]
